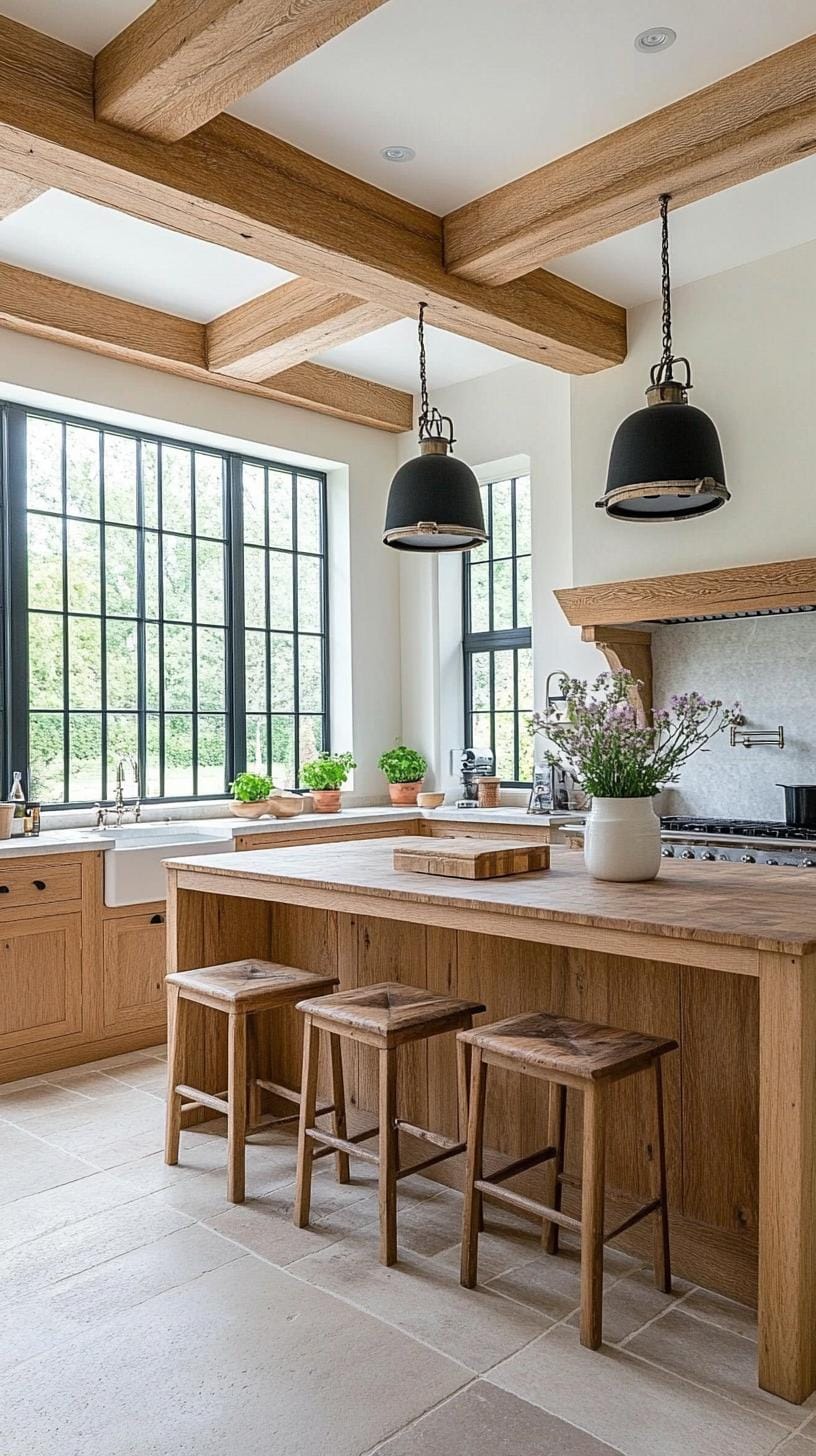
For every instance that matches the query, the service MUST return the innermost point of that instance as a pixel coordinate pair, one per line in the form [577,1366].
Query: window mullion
[16,580]
[236,620]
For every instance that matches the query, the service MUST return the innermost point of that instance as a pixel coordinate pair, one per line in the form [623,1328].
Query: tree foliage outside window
[152,605]
[497,639]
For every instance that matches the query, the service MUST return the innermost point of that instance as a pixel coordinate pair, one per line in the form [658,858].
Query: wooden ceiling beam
[748,123]
[286,327]
[16,192]
[231,184]
[182,61]
[47,308]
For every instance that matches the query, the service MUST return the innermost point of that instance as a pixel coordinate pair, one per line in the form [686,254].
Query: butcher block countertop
[746,907]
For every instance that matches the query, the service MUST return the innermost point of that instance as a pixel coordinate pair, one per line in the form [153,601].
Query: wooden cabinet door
[134,970]
[40,979]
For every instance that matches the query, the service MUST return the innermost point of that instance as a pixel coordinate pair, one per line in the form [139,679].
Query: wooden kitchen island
[721,957]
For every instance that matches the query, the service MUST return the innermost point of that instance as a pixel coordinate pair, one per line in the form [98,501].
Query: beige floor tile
[148,1075]
[28,1165]
[497,1254]
[714,1357]
[483,1421]
[796,1446]
[232,1361]
[95,1085]
[478,1327]
[22,1083]
[633,1406]
[705,1304]
[631,1302]
[42,1097]
[70,1307]
[61,1252]
[262,1227]
[53,1208]
[80,1122]
[126,1147]
[552,1284]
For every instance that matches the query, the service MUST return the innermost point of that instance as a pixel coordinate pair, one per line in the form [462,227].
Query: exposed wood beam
[31,303]
[286,327]
[769,587]
[232,184]
[16,192]
[182,61]
[746,124]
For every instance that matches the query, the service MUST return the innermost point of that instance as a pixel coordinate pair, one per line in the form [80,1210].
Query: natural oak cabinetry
[40,979]
[133,951]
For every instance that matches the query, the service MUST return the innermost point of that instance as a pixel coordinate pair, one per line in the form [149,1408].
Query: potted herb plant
[623,763]
[405,769]
[325,776]
[250,795]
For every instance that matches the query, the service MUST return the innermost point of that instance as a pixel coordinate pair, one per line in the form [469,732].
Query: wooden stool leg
[592,1215]
[339,1099]
[237,1115]
[463,1064]
[556,1132]
[308,1105]
[662,1257]
[473,1169]
[254,1109]
[388,1154]
[175,1043]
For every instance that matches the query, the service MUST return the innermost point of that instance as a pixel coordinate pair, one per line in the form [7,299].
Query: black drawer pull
[4,889]
[39,884]
[157,920]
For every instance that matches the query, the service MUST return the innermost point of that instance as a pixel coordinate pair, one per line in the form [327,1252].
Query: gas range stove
[745,841]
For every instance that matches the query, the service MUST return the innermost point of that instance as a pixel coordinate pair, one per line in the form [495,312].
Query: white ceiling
[97,247]
[391,356]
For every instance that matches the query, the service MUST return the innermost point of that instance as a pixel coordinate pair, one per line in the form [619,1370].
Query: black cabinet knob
[39,884]
[157,920]
[4,889]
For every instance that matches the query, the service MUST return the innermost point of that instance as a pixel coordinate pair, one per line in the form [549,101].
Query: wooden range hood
[617,616]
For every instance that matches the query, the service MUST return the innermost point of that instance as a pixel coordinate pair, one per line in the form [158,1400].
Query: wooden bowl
[285,806]
[255,810]
[430,801]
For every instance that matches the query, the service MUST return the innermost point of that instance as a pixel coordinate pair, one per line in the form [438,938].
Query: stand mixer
[475,763]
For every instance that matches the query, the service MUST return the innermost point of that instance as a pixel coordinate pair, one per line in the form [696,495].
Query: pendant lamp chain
[664,259]
[423,371]
[432,425]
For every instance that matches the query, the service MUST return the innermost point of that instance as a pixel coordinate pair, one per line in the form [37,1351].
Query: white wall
[360,463]
[749,334]
[523,411]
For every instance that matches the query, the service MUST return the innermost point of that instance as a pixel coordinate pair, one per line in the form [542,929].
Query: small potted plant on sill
[405,770]
[250,795]
[325,776]
[623,762]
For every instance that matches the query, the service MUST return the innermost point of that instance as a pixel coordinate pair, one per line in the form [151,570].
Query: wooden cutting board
[471,859]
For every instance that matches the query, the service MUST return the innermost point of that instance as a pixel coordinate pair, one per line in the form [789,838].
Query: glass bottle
[17,795]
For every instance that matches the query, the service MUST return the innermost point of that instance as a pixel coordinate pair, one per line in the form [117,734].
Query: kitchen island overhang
[717,956]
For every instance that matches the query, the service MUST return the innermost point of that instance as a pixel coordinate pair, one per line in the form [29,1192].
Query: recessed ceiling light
[398,154]
[656,38]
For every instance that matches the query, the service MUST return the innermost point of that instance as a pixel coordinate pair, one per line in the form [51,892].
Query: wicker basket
[487,790]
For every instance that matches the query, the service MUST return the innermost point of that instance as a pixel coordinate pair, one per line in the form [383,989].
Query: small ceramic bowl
[430,801]
[254,810]
[285,806]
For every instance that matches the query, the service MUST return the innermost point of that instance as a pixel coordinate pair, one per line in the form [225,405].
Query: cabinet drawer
[40,979]
[38,881]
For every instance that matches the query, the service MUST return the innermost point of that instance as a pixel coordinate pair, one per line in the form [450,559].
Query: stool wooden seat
[587,1057]
[238,989]
[386,1017]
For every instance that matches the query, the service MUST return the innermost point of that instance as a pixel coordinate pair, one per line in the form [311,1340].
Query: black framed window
[497,636]
[131,605]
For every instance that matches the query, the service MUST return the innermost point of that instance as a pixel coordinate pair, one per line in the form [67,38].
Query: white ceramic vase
[622,840]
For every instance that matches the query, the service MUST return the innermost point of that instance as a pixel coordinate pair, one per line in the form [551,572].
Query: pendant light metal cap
[666,462]
[432,485]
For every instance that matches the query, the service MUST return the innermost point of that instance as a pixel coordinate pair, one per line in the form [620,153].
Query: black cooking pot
[800,805]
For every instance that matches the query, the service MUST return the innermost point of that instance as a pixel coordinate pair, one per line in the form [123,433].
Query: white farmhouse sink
[134,868]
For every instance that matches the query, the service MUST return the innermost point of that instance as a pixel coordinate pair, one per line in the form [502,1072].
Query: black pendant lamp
[434,503]
[666,463]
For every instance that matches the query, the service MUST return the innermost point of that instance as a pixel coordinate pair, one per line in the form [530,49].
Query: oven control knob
[687,854]
[749,859]
[809,864]
[772,861]
[706,854]
[667,852]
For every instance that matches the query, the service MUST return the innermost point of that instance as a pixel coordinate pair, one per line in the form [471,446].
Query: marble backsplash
[769,665]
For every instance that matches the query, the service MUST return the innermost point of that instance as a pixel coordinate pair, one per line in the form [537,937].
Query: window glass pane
[254,504]
[505,756]
[45,655]
[254,587]
[44,562]
[281,611]
[479,599]
[120,478]
[123,744]
[256,751]
[153,783]
[524,595]
[255,672]
[178,667]
[123,663]
[151,570]
[152,667]
[310,612]
[502,595]
[150,482]
[480,680]
[211,669]
[283,751]
[481,731]
[503,677]
[280,508]
[481,553]
[282,678]
[310,673]
[84,662]
[176,484]
[84,582]
[178,564]
[308,514]
[526,750]
[120,571]
[502,537]
[178,755]
[212,754]
[46,754]
[82,470]
[311,737]
[525,679]
[44,464]
[85,762]
[209,495]
[524,542]
[209,581]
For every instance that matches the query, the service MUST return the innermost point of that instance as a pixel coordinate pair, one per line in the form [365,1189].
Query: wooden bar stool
[239,989]
[587,1057]
[386,1017]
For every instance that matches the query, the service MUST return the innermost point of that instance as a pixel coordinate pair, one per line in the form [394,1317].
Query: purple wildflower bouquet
[598,739]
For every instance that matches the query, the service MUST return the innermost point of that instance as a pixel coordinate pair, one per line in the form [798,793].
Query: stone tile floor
[143,1314]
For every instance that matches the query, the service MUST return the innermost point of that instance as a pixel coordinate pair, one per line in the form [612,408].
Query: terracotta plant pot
[326,801]
[404,795]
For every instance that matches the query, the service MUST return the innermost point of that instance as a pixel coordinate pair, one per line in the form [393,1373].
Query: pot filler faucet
[106,815]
